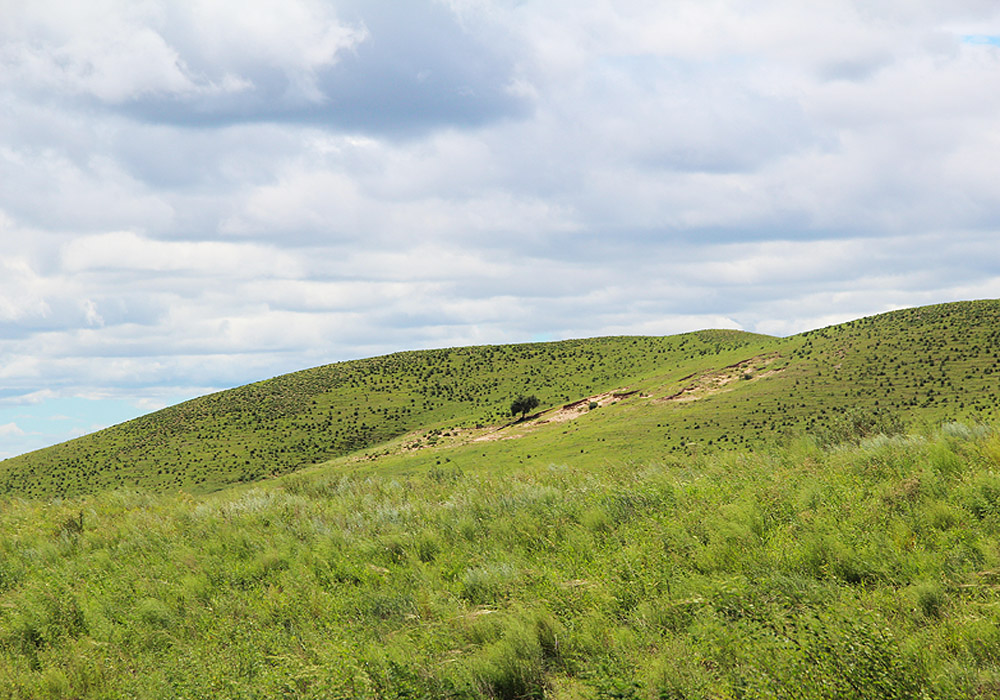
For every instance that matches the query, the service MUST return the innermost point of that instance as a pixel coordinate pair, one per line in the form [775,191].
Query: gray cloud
[373,67]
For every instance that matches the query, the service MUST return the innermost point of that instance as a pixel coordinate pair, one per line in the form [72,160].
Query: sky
[199,194]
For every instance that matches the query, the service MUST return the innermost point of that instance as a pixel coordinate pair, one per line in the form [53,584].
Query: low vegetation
[866,570]
[710,515]
[296,420]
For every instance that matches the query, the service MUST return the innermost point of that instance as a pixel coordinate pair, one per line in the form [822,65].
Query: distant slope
[282,424]
[929,364]
[691,392]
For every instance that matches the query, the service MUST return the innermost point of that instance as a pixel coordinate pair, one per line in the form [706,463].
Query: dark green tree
[523,404]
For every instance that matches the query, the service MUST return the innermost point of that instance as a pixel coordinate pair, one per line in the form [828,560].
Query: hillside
[692,392]
[792,573]
[665,526]
[282,424]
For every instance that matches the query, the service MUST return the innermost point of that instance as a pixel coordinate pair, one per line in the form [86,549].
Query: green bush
[855,424]
[487,584]
[928,597]
[154,613]
[515,666]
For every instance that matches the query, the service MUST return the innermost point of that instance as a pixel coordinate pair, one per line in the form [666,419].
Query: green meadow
[710,515]
[860,571]
[296,420]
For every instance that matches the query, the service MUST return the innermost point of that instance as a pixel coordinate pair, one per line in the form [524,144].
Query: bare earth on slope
[717,381]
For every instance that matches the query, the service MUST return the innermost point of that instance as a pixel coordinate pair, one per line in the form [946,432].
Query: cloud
[10,429]
[125,251]
[119,53]
[390,68]
[21,292]
[199,194]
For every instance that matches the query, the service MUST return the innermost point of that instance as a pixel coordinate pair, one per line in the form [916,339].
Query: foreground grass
[867,571]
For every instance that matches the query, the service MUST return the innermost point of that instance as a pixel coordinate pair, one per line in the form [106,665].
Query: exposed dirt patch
[578,408]
[495,434]
[700,386]
[560,414]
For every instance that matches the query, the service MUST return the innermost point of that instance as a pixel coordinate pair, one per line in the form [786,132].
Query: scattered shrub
[154,613]
[486,584]
[515,666]
[596,520]
[428,546]
[928,597]
[856,424]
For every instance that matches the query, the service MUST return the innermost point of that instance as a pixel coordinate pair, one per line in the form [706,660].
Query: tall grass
[869,570]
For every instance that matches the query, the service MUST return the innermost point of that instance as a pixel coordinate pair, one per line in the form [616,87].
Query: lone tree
[523,404]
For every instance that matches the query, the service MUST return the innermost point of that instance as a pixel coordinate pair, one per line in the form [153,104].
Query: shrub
[963,432]
[928,597]
[428,546]
[485,584]
[830,656]
[154,613]
[515,666]
[596,520]
[855,424]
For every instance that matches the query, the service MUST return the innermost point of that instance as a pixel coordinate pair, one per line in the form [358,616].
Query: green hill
[665,526]
[677,394]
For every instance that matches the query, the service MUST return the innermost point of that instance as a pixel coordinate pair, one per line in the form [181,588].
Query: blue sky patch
[28,427]
[981,39]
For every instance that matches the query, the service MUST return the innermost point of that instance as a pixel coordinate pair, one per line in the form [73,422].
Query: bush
[515,666]
[486,584]
[928,597]
[830,656]
[855,424]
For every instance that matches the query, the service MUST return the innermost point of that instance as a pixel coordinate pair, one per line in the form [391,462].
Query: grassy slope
[282,424]
[867,572]
[931,363]
[614,555]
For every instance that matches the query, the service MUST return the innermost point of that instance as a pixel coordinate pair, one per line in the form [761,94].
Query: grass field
[295,420]
[867,571]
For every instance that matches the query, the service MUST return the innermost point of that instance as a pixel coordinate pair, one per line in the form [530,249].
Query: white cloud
[128,251]
[118,51]
[299,37]
[10,429]
[21,291]
[206,193]
[50,190]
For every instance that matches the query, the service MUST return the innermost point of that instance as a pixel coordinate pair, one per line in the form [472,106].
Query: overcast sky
[198,194]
